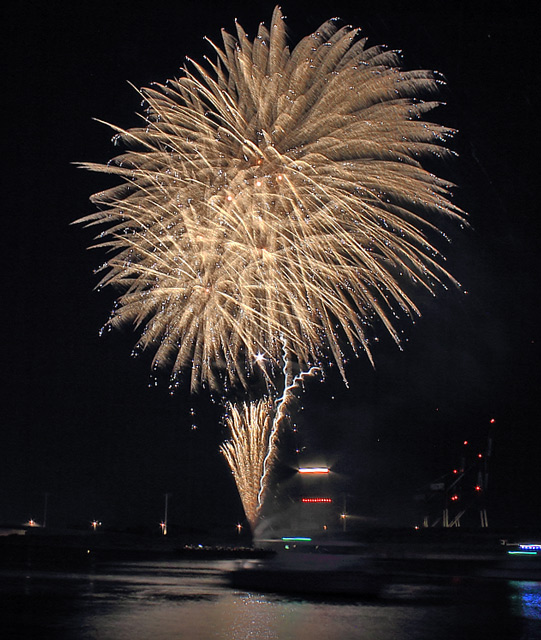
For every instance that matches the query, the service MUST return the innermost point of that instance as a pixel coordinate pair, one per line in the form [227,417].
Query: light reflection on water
[189,600]
[526,599]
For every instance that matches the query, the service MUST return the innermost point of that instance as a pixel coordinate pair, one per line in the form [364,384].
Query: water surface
[190,600]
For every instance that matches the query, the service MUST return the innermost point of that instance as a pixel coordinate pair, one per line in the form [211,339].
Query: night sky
[84,422]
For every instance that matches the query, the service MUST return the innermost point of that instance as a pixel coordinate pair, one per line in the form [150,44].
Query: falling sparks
[273,206]
[249,425]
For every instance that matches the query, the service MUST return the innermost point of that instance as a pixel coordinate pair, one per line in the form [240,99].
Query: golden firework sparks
[274,202]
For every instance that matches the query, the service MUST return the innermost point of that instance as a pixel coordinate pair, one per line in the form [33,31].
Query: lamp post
[45,505]
[164,523]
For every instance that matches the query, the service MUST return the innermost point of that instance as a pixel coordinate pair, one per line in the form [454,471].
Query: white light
[314,470]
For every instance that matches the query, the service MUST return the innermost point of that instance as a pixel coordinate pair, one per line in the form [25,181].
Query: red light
[465,442]
[455,470]
[492,421]
[478,488]
[318,500]
[455,497]
[479,455]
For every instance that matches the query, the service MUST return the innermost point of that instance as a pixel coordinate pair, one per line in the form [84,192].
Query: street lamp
[166,510]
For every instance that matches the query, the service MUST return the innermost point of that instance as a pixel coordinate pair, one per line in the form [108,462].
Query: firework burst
[273,205]
[275,198]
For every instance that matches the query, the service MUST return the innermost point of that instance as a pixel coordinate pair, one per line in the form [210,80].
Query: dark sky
[80,421]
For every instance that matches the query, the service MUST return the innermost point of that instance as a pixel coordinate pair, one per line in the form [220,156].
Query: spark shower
[272,209]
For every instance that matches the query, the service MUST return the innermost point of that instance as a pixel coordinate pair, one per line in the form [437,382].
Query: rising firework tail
[274,202]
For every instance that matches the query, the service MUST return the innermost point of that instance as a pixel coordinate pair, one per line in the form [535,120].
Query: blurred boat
[309,571]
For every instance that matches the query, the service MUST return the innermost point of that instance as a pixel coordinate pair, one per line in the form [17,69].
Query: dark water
[189,600]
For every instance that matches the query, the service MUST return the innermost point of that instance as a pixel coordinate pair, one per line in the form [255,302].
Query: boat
[309,571]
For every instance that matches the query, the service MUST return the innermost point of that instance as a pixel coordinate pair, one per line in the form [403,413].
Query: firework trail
[274,204]
[251,450]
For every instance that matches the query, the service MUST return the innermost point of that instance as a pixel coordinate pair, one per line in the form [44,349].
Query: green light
[522,553]
[297,539]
